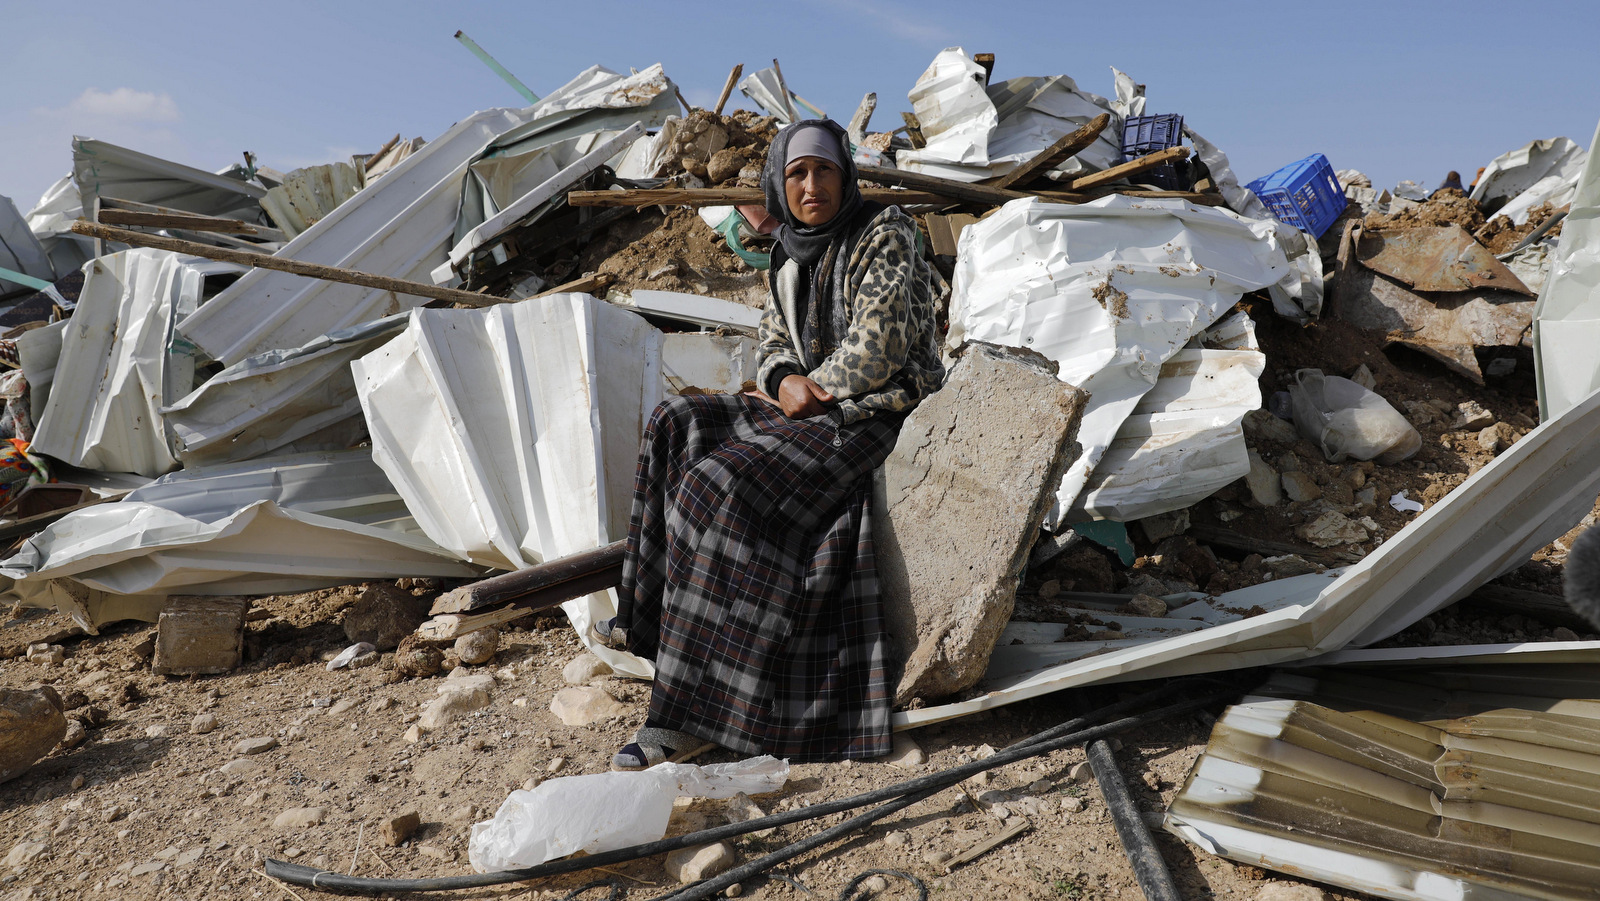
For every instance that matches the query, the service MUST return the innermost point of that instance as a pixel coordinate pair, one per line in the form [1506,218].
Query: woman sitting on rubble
[749,578]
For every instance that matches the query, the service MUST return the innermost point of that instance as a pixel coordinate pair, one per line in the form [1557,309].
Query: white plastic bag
[605,811]
[1348,421]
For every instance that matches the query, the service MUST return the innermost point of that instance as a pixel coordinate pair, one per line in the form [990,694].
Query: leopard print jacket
[889,360]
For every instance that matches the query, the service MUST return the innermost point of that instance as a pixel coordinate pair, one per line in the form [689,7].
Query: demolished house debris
[1250,441]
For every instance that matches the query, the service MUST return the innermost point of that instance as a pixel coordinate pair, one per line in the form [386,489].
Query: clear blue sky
[1397,89]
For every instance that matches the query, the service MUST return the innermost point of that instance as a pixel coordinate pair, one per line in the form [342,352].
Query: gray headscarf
[807,243]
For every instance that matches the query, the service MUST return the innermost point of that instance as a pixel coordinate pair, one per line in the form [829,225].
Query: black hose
[1148,866]
[1066,734]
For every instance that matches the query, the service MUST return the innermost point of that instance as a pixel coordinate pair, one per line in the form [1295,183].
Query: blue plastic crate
[1143,135]
[1304,194]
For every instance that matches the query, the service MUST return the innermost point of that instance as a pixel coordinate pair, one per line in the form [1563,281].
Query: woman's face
[812,185]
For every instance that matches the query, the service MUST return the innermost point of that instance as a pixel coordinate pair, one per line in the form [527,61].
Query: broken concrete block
[696,863]
[962,496]
[581,705]
[199,635]
[396,830]
[1471,415]
[1298,486]
[1497,438]
[31,724]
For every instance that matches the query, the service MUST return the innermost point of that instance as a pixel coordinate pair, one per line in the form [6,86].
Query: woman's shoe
[609,634]
[652,745]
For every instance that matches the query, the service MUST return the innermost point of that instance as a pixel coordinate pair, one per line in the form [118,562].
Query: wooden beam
[1131,167]
[914,131]
[117,203]
[858,122]
[262,260]
[727,88]
[783,89]
[985,60]
[589,284]
[699,197]
[543,585]
[945,187]
[169,220]
[451,626]
[1056,153]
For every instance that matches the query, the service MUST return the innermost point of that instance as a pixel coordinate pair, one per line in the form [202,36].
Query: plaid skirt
[750,581]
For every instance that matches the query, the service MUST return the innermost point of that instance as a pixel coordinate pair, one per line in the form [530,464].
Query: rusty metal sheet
[1435,259]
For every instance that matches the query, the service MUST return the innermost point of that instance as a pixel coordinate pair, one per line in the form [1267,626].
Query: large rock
[31,724]
[383,615]
[199,635]
[958,504]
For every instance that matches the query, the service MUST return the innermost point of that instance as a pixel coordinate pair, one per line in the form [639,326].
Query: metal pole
[491,62]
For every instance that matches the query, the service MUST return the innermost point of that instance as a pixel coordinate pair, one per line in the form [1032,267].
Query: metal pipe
[502,71]
[1148,866]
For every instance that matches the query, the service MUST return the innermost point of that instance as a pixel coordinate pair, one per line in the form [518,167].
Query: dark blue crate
[1142,135]
[1304,194]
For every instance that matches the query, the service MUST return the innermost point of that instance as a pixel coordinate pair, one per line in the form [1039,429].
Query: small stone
[584,668]
[1162,526]
[1289,891]
[188,857]
[581,705]
[1081,773]
[199,635]
[1040,786]
[1266,490]
[1286,565]
[451,706]
[379,705]
[1331,529]
[292,853]
[298,818]
[1497,438]
[1049,589]
[156,731]
[31,725]
[1363,376]
[937,858]
[46,654]
[479,647]
[396,830]
[203,723]
[741,809]
[1072,805]
[696,863]
[383,616]
[413,734]
[1147,605]
[416,657]
[341,707]
[906,753]
[733,891]
[1261,425]
[1367,497]
[76,735]
[897,839]
[556,763]
[1471,415]
[240,767]
[148,868]
[1300,487]
[255,746]
[77,782]
[23,854]
[874,885]
[1001,812]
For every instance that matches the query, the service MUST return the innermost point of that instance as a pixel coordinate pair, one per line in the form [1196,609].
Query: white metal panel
[710,312]
[1514,172]
[600,88]
[1566,320]
[401,225]
[106,170]
[114,369]
[20,250]
[1110,290]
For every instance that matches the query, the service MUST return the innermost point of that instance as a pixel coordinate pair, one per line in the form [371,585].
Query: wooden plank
[783,90]
[1131,167]
[262,260]
[727,88]
[945,187]
[550,582]
[589,284]
[451,626]
[117,203]
[699,197]
[858,122]
[168,220]
[914,131]
[986,61]
[1055,154]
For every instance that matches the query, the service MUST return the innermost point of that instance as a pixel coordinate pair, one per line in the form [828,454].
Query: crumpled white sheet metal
[975,132]
[269,526]
[103,169]
[309,194]
[401,225]
[1184,440]
[51,220]
[114,371]
[20,250]
[1537,490]
[707,312]
[39,350]
[764,90]
[1556,190]
[600,88]
[278,402]
[1566,320]
[572,160]
[1514,172]
[1110,290]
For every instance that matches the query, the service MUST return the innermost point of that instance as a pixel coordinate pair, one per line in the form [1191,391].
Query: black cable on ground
[1148,866]
[1073,732]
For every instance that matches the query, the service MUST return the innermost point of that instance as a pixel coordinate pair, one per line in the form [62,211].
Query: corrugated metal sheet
[309,194]
[1538,490]
[1110,290]
[106,170]
[115,373]
[270,526]
[400,226]
[20,251]
[279,402]
[1445,782]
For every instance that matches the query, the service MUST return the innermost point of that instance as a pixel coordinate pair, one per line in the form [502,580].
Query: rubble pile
[278,415]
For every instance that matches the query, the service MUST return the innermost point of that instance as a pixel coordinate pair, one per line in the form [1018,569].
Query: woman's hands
[801,398]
